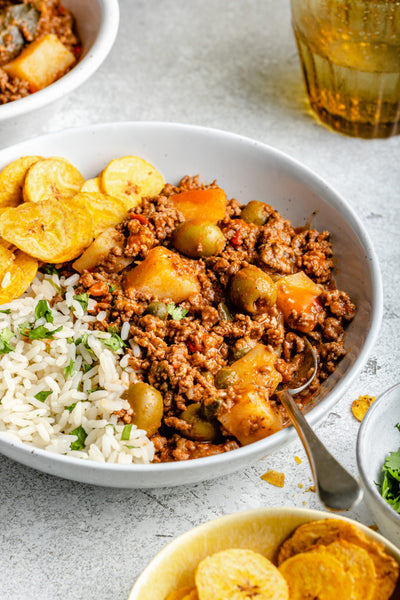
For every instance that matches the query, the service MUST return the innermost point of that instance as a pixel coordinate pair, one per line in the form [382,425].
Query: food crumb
[300,485]
[274,478]
[298,460]
[360,406]
[310,489]
[373,527]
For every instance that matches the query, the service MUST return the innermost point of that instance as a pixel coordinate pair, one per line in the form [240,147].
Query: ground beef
[181,355]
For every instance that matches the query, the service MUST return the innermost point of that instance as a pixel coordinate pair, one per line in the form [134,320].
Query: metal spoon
[336,488]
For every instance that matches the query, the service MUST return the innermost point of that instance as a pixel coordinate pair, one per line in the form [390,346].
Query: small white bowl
[261,530]
[377,437]
[246,170]
[97,23]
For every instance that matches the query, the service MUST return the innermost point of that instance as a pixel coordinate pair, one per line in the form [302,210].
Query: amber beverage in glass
[350,55]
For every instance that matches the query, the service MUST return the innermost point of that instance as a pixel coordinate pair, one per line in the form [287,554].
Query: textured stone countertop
[231,65]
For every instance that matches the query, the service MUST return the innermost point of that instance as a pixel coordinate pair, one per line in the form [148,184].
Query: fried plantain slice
[12,180]
[130,179]
[48,230]
[6,260]
[106,210]
[358,564]
[182,593]
[360,406]
[92,185]
[237,573]
[327,531]
[54,178]
[316,575]
[22,272]
[192,595]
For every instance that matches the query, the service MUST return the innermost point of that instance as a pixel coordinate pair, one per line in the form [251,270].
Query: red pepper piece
[237,239]
[143,220]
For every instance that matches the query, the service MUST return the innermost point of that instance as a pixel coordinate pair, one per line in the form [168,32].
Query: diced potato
[252,417]
[165,275]
[42,62]
[257,367]
[199,204]
[100,249]
[298,301]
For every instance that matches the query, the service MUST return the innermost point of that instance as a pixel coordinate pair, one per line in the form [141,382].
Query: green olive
[148,406]
[239,352]
[198,238]
[225,377]
[224,313]
[210,410]
[158,309]
[202,430]
[252,290]
[255,212]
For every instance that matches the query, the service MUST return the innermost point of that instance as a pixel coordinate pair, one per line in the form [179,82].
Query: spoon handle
[337,489]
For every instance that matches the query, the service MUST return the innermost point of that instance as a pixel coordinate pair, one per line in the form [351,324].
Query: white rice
[85,396]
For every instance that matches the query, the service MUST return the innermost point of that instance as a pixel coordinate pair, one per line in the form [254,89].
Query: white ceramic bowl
[377,437]
[247,170]
[261,530]
[97,22]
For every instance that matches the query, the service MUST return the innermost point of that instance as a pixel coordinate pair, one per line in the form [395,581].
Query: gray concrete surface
[231,65]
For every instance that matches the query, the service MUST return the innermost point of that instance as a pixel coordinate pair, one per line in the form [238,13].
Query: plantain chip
[181,593]
[92,185]
[358,564]
[48,230]
[12,180]
[326,531]
[274,478]
[237,573]
[130,179]
[192,595]
[22,272]
[106,210]
[54,178]
[6,260]
[316,575]
[360,406]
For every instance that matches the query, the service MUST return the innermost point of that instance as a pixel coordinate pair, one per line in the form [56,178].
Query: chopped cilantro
[57,287]
[83,300]
[50,270]
[37,333]
[176,312]
[114,342]
[87,368]
[70,340]
[71,407]
[84,341]
[81,435]
[126,432]
[95,389]
[69,371]
[43,310]
[6,311]
[390,488]
[112,329]
[112,288]
[41,396]
[5,337]
[131,447]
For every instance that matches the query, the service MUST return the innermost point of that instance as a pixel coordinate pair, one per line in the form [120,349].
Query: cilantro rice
[61,383]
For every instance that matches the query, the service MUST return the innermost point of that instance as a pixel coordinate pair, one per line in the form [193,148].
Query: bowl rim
[361,459]
[283,437]
[79,74]
[309,514]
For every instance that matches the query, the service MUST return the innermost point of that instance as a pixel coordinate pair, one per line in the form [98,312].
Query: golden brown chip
[12,180]
[360,406]
[236,573]
[6,260]
[130,179]
[318,575]
[326,531]
[54,178]
[274,478]
[92,185]
[181,593]
[358,564]
[192,595]
[22,272]
[106,211]
[48,230]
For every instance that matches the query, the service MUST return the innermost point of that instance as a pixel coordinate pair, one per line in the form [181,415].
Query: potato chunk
[101,249]
[298,301]
[42,62]
[165,275]
[209,203]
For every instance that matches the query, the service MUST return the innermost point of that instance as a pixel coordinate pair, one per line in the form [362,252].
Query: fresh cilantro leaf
[392,462]
[50,270]
[87,368]
[71,407]
[95,389]
[57,287]
[131,447]
[81,435]
[176,312]
[69,371]
[83,300]
[112,329]
[114,342]
[38,333]
[41,396]
[112,288]
[5,337]
[126,432]
[397,426]
[84,341]
[6,311]
[43,310]
[70,340]
[390,487]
